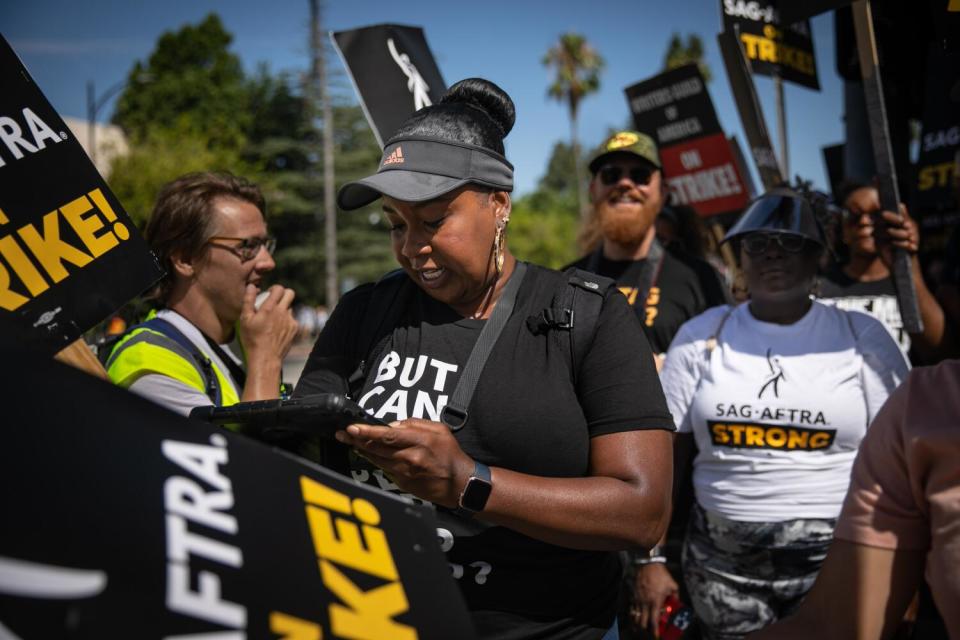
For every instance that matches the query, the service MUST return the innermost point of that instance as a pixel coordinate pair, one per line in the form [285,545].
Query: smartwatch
[474,496]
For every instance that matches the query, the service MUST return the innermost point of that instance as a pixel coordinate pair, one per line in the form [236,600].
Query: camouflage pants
[742,576]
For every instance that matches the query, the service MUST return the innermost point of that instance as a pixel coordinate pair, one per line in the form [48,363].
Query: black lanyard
[455,414]
[649,271]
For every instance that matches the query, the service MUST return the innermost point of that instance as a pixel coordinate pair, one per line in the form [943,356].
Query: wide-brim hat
[780,211]
[629,142]
[417,169]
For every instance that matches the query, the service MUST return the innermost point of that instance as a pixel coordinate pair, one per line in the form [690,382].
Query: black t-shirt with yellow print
[684,287]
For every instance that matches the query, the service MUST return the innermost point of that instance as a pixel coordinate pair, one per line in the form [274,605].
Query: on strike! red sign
[702,174]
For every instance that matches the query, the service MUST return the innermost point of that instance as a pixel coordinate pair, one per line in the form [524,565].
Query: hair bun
[485,96]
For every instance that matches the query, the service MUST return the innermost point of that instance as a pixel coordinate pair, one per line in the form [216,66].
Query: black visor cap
[780,210]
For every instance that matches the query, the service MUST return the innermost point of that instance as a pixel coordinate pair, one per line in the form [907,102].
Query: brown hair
[182,218]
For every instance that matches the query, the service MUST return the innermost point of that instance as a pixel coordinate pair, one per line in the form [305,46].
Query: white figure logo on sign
[416,84]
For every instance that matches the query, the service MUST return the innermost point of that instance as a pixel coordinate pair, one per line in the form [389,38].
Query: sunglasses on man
[611,174]
[248,247]
[757,244]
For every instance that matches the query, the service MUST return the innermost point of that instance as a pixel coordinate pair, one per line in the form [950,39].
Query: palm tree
[679,54]
[578,67]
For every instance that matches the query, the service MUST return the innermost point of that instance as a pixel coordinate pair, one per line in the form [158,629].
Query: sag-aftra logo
[29,137]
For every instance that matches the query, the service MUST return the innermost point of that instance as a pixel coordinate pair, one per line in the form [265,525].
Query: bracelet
[643,561]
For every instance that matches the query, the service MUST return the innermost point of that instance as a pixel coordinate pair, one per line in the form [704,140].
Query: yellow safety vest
[144,350]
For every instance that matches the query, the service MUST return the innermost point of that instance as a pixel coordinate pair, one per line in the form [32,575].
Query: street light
[94,104]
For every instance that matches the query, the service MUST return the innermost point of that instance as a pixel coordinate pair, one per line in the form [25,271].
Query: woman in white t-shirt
[771,399]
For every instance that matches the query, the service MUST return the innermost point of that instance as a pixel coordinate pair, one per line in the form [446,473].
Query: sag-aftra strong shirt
[778,411]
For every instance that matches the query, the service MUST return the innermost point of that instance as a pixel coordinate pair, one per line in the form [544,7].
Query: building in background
[111,143]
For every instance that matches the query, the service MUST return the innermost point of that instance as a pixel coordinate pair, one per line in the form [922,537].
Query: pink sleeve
[881,508]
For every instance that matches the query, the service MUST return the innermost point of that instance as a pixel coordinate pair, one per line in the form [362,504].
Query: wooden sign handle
[77,354]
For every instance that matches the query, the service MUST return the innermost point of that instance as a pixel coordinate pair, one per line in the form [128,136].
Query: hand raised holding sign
[898,231]
[881,233]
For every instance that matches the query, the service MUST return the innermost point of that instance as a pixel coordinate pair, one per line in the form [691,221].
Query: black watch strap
[474,496]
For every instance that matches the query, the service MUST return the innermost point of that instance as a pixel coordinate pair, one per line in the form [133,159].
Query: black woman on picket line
[771,399]
[863,280]
[559,463]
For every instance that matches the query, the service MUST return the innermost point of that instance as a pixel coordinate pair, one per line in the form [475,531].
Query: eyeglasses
[757,243]
[611,174]
[248,247]
[848,215]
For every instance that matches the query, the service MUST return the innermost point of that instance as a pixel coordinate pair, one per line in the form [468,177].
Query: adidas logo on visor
[394,158]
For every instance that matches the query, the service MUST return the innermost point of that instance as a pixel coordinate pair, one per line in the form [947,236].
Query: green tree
[259,127]
[679,54]
[287,149]
[577,67]
[561,173]
[543,225]
[186,109]
[363,244]
[542,232]
[191,82]
[161,156]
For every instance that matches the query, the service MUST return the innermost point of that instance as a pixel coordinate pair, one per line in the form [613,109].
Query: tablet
[315,415]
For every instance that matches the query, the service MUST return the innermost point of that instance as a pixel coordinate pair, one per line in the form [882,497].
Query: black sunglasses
[848,215]
[756,244]
[611,174]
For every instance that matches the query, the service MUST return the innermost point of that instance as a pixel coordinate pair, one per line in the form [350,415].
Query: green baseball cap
[632,142]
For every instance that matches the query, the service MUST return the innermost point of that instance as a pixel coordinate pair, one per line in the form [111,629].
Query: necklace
[487,299]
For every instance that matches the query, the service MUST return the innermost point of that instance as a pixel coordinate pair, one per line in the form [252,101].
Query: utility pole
[95,103]
[318,81]
[782,126]
[91,122]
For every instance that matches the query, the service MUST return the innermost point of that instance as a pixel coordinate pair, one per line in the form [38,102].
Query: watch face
[475,494]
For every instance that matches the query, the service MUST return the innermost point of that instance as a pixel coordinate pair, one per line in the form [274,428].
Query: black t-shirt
[877,298]
[684,287]
[527,415]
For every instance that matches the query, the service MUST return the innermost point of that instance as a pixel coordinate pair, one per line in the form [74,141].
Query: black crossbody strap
[236,371]
[202,362]
[587,294]
[455,414]
[650,272]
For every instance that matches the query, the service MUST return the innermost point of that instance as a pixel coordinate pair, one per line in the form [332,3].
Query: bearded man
[664,286]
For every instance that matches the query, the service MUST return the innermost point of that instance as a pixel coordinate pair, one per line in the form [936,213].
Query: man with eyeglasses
[209,232]
[664,286]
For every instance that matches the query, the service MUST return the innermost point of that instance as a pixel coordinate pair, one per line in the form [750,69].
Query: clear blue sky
[65,44]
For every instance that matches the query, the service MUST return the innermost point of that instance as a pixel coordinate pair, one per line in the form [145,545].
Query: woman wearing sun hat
[771,399]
